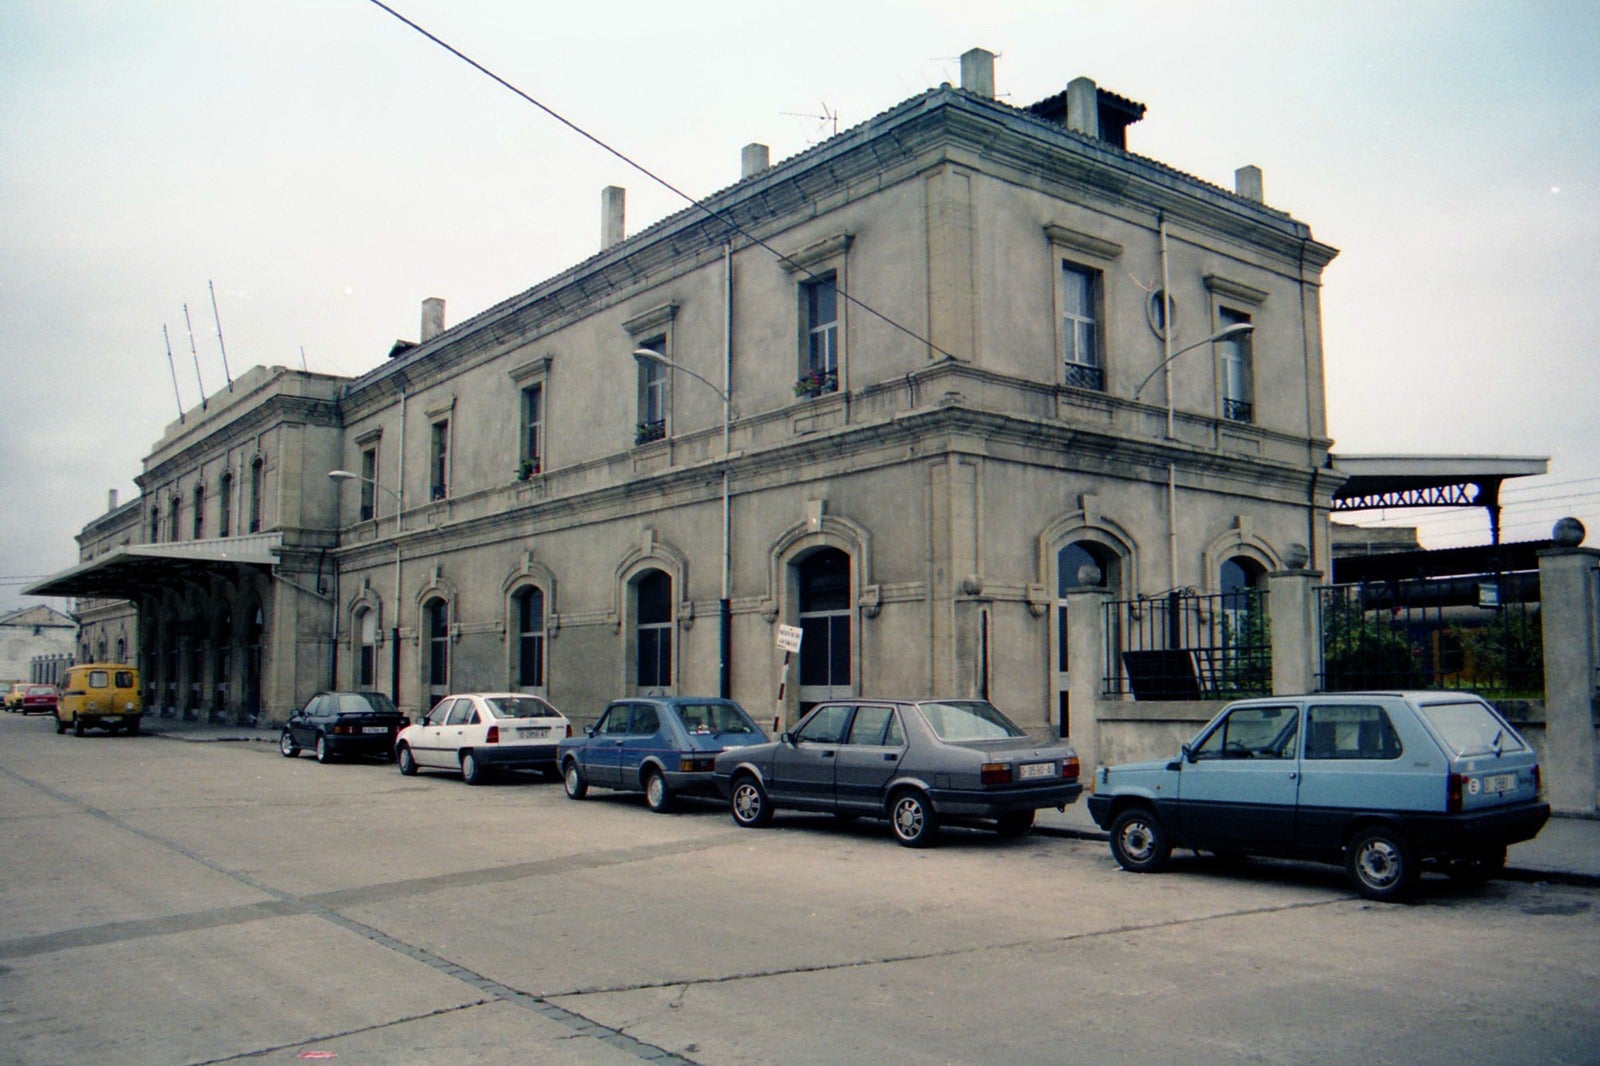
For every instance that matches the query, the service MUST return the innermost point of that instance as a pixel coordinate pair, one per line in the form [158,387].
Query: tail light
[1538,784]
[1069,768]
[494,735]
[569,729]
[995,773]
[690,765]
[1452,802]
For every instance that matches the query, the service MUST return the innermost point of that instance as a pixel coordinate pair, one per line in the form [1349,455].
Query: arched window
[653,609]
[825,616]
[225,505]
[1239,575]
[436,622]
[367,658]
[1082,564]
[174,512]
[256,477]
[122,649]
[528,610]
[199,512]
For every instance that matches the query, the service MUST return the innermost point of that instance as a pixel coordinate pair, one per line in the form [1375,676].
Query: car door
[803,766]
[303,726]
[866,762]
[428,736]
[644,738]
[1354,761]
[1238,786]
[603,753]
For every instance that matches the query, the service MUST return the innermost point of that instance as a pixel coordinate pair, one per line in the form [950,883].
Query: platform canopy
[133,570]
[1400,481]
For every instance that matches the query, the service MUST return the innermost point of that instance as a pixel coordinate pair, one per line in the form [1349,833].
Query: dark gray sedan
[915,762]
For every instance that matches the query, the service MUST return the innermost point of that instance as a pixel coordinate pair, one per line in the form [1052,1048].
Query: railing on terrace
[1188,645]
[1480,633]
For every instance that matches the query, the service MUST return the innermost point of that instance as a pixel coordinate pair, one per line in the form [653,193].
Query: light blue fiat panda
[1381,782]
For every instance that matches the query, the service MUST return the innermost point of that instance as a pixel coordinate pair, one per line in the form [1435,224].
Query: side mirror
[787,738]
[589,731]
[1188,752]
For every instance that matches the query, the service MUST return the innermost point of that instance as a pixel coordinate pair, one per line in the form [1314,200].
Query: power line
[647,172]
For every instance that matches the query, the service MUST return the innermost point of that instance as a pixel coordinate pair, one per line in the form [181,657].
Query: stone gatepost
[1567,608]
[1086,659]
[1296,630]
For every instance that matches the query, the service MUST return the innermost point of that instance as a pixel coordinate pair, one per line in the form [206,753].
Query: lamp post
[724,612]
[394,642]
[1238,329]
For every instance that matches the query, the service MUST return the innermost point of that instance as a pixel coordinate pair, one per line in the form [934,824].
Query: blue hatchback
[663,746]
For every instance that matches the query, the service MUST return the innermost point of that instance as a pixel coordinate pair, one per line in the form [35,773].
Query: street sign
[789,638]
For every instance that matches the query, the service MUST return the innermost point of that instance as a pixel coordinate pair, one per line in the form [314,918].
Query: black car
[343,723]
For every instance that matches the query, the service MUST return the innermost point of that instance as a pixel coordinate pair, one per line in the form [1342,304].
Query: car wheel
[1014,823]
[572,777]
[1381,864]
[286,745]
[1139,841]
[1477,869]
[914,821]
[61,727]
[77,727]
[751,808]
[472,771]
[324,753]
[657,792]
[405,760]
[133,726]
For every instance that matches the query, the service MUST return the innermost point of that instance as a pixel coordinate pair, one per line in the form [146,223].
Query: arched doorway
[825,617]
[1081,564]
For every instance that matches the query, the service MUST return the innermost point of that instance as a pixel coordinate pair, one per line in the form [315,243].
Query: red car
[39,699]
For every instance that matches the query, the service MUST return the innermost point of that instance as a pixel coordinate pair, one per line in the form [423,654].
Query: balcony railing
[1187,645]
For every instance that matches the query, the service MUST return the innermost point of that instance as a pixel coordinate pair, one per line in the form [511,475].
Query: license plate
[1500,782]
[375,729]
[533,732]
[1032,770]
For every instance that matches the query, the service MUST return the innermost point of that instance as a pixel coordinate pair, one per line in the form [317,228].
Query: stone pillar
[1296,630]
[1567,608]
[1086,657]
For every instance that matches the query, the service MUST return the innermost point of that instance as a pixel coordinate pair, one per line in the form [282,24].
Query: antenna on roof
[196,353]
[303,359]
[225,371]
[829,119]
[174,368]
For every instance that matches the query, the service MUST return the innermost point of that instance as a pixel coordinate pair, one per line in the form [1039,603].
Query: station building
[904,391]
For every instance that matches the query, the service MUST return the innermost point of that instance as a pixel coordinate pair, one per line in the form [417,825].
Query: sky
[325,168]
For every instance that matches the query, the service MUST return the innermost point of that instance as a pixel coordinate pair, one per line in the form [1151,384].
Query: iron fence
[1188,645]
[1479,633]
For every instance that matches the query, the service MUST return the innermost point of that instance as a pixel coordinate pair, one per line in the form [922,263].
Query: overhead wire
[653,176]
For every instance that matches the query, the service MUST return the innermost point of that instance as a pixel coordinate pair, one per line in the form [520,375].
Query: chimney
[753,159]
[1247,183]
[432,318]
[111,500]
[977,72]
[1083,107]
[612,228]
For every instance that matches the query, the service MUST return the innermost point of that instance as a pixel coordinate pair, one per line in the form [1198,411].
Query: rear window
[99,678]
[125,679]
[359,703]
[717,718]
[1471,728]
[969,720]
[520,707]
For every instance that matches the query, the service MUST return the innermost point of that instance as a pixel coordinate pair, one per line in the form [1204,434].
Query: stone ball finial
[1567,532]
[1296,556]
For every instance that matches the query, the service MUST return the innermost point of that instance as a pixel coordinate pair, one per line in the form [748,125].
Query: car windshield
[969,720]
[717,718]
[1471,728]
[520,707]
[361,703]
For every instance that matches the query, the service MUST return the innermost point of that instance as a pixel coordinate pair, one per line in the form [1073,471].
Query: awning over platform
[1375,482]
[130,571]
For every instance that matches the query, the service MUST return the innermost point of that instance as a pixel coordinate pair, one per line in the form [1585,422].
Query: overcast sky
[328,168]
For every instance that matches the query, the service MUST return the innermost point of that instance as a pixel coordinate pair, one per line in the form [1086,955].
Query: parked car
[662,746]
[5,693]
[13,695]
[476,733]
[38,699]
[1380,782]
[917,763]
[100,695]
[343,723]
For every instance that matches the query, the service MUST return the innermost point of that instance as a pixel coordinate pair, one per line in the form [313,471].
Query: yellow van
[100,695]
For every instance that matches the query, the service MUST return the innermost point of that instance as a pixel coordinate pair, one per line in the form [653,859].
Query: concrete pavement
[1566,851]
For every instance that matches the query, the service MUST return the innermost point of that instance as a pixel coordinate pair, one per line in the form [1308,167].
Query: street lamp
[399,507]
[645,356]
[1238,329]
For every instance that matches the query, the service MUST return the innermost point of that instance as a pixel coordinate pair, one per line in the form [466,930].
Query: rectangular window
[255,496]
[369,483]
[439,460]
[1080,327]
[652,396]
[819,370]
[532,457]
[225,507]
[199,512]
[1238,388]
[1345,732]
[174,512]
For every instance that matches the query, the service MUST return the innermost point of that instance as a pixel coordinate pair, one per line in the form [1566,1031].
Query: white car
[479,732]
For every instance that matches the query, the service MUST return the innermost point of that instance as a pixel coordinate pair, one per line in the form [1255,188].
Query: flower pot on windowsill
[527,470]
[809,386]
[645,432]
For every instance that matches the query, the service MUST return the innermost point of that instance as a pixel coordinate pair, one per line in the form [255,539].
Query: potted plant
[527,469]
[645,432]
[816,382]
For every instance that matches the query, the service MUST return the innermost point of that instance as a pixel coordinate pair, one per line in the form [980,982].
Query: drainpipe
[399,509]
[1166,344]
[724,607]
